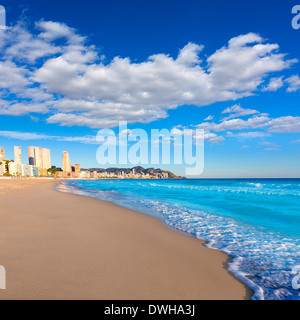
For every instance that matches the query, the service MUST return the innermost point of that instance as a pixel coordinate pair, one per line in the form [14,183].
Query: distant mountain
[138,170]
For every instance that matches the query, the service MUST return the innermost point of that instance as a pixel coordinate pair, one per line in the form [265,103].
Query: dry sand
[62,246]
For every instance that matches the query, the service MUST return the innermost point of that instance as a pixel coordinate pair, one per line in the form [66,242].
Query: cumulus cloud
[250,135]
[23,135]
[213,138]
[12,77]
[27,136]
[235,124]
[55,67]
[257,125]
[274,84]
[209,118]
[242,65]
[208,136]
[294,83]
[21,45]
[21,109]
[284,125]
[51,30]
[237,111]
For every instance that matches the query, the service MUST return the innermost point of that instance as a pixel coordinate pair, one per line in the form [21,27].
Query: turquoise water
[255,221]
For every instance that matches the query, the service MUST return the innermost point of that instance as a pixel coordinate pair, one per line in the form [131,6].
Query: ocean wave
[253,188]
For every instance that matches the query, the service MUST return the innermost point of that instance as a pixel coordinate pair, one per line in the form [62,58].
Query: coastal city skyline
[39,165]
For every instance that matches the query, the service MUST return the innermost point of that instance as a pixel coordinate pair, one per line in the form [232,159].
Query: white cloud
[23,135]
[189,55]
[208,136]
[250,135]
[70,78]
[40,136]
[245,148]
[34,119]
[237,111]
[274,84]
[209,118]
[258,126]
[297,141]
[12,77]
[235,124]
[294,83]
[284,125]
[213,138]
[84,140]
[270,146]
[55,30]
[242,65]
[21,109]
[25,47]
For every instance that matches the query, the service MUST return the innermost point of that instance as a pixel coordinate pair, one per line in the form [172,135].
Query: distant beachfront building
[77,168]
[63,174]
[94,175]
[77,171]
[14,169]
[2,169]
[18,155]
[34,171]
[2,154]
[22,170]
[66,162]
[39,157]
[85,175]
[82,175]
[26,170]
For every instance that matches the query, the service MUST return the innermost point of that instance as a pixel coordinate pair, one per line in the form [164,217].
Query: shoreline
[124,254]
[255,291]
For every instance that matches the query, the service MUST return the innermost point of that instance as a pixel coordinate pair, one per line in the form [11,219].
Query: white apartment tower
[46,159]
[18,155]
[66,162]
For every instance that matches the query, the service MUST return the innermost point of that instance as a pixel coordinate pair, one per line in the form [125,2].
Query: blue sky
[69,69]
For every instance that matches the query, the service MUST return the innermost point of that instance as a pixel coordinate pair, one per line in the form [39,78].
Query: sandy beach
[63,246]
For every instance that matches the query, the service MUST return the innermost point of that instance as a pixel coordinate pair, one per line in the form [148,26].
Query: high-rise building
[46,158]
[39,157]
[18,155]
[77,168]
[2,154]
[31,156]
[66,162]
[35,156]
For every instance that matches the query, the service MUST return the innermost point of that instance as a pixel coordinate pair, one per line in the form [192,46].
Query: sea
[255,221]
